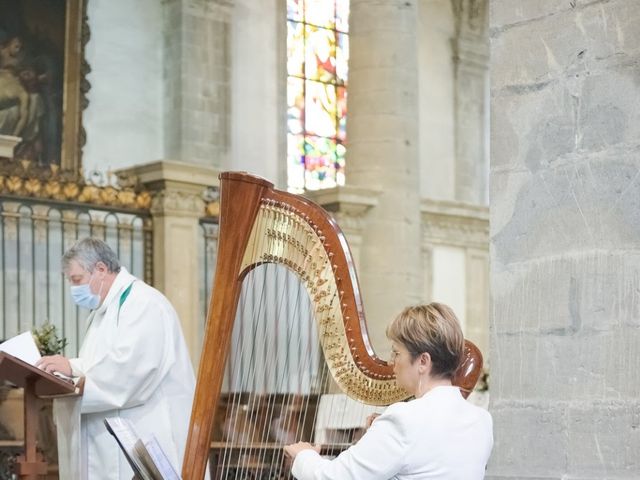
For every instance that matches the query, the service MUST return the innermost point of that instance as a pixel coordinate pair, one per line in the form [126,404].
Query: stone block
[589,203]
[609,111]
[393,49]
[531,127]
[604,440]
[400,125]
[589,292]
[528,438]
[585,366]
[573,41]
[534,53]
[614,36]
[388,16]
[504,13]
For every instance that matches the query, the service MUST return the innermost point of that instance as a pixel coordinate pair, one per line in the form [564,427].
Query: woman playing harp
[438,435]
[285,332]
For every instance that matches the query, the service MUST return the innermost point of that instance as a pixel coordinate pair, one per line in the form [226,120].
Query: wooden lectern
[36,383]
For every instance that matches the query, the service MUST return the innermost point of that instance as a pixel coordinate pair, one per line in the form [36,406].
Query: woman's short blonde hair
[433,329]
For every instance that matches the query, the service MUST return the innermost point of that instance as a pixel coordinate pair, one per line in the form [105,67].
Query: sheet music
[126,437]
[146,457]
[22,346]
[160,459]
[124,430]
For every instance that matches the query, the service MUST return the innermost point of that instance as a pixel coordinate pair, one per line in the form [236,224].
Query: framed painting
[42,79]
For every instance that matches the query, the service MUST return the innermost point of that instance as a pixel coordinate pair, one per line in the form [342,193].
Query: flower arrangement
[47,340]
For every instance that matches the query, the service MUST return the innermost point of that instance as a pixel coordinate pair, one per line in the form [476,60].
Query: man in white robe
[135,363]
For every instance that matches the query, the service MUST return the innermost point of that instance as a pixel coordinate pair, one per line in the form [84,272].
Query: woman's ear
[424,363]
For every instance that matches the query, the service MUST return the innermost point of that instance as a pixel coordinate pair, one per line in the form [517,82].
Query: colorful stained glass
[295,49]
[317,65]
[295,10]
[295,105]
[321,13]
[321,162]
[321,54]
[341,105]
[320,109]
[339,165]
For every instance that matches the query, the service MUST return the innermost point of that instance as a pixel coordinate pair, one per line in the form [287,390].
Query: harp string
[290,322]
[269,388]
[293,409]
[284,381]
[245,447]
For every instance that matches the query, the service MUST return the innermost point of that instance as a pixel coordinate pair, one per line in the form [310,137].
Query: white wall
[449,280]
[258,89]
[123,121]
[436,90]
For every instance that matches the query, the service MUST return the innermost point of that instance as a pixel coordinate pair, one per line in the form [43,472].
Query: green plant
[47,340]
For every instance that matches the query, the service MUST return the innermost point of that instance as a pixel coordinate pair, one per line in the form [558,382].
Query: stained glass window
[317,56]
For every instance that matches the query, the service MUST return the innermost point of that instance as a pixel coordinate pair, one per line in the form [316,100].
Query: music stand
[36,383]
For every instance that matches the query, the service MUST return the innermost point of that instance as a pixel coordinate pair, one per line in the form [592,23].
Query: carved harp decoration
[261,226]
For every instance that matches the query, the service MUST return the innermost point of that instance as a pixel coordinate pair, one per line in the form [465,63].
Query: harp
[251,399]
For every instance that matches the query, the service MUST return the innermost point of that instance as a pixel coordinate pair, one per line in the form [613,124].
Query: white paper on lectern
[22,346]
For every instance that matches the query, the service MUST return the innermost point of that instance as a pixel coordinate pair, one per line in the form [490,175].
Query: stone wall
[196,70]
[565,225]
[124,119]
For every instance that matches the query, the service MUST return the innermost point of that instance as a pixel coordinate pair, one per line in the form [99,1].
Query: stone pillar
[196,79]
[382,154]
[177,207]
[565,256]
[471,60]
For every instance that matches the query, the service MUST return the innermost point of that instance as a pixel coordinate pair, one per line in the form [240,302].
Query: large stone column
[565,249]
[196,80]
[471,60]
[177,207]
[383,155]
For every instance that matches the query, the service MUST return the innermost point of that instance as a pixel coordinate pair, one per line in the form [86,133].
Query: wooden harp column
[260,225]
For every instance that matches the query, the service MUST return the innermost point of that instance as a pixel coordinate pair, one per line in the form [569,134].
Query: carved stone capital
[176,203]
[178,188]
[347,204]
[455,224]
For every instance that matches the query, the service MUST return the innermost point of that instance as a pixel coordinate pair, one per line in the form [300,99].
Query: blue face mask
[84,297]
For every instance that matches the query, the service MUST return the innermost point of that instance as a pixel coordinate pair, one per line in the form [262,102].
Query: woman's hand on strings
[295,448]
[370,419]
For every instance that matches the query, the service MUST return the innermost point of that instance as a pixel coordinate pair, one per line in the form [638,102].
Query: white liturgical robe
[136,366]
[437,436]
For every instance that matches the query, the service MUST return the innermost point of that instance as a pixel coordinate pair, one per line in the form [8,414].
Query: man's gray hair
[88,252]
